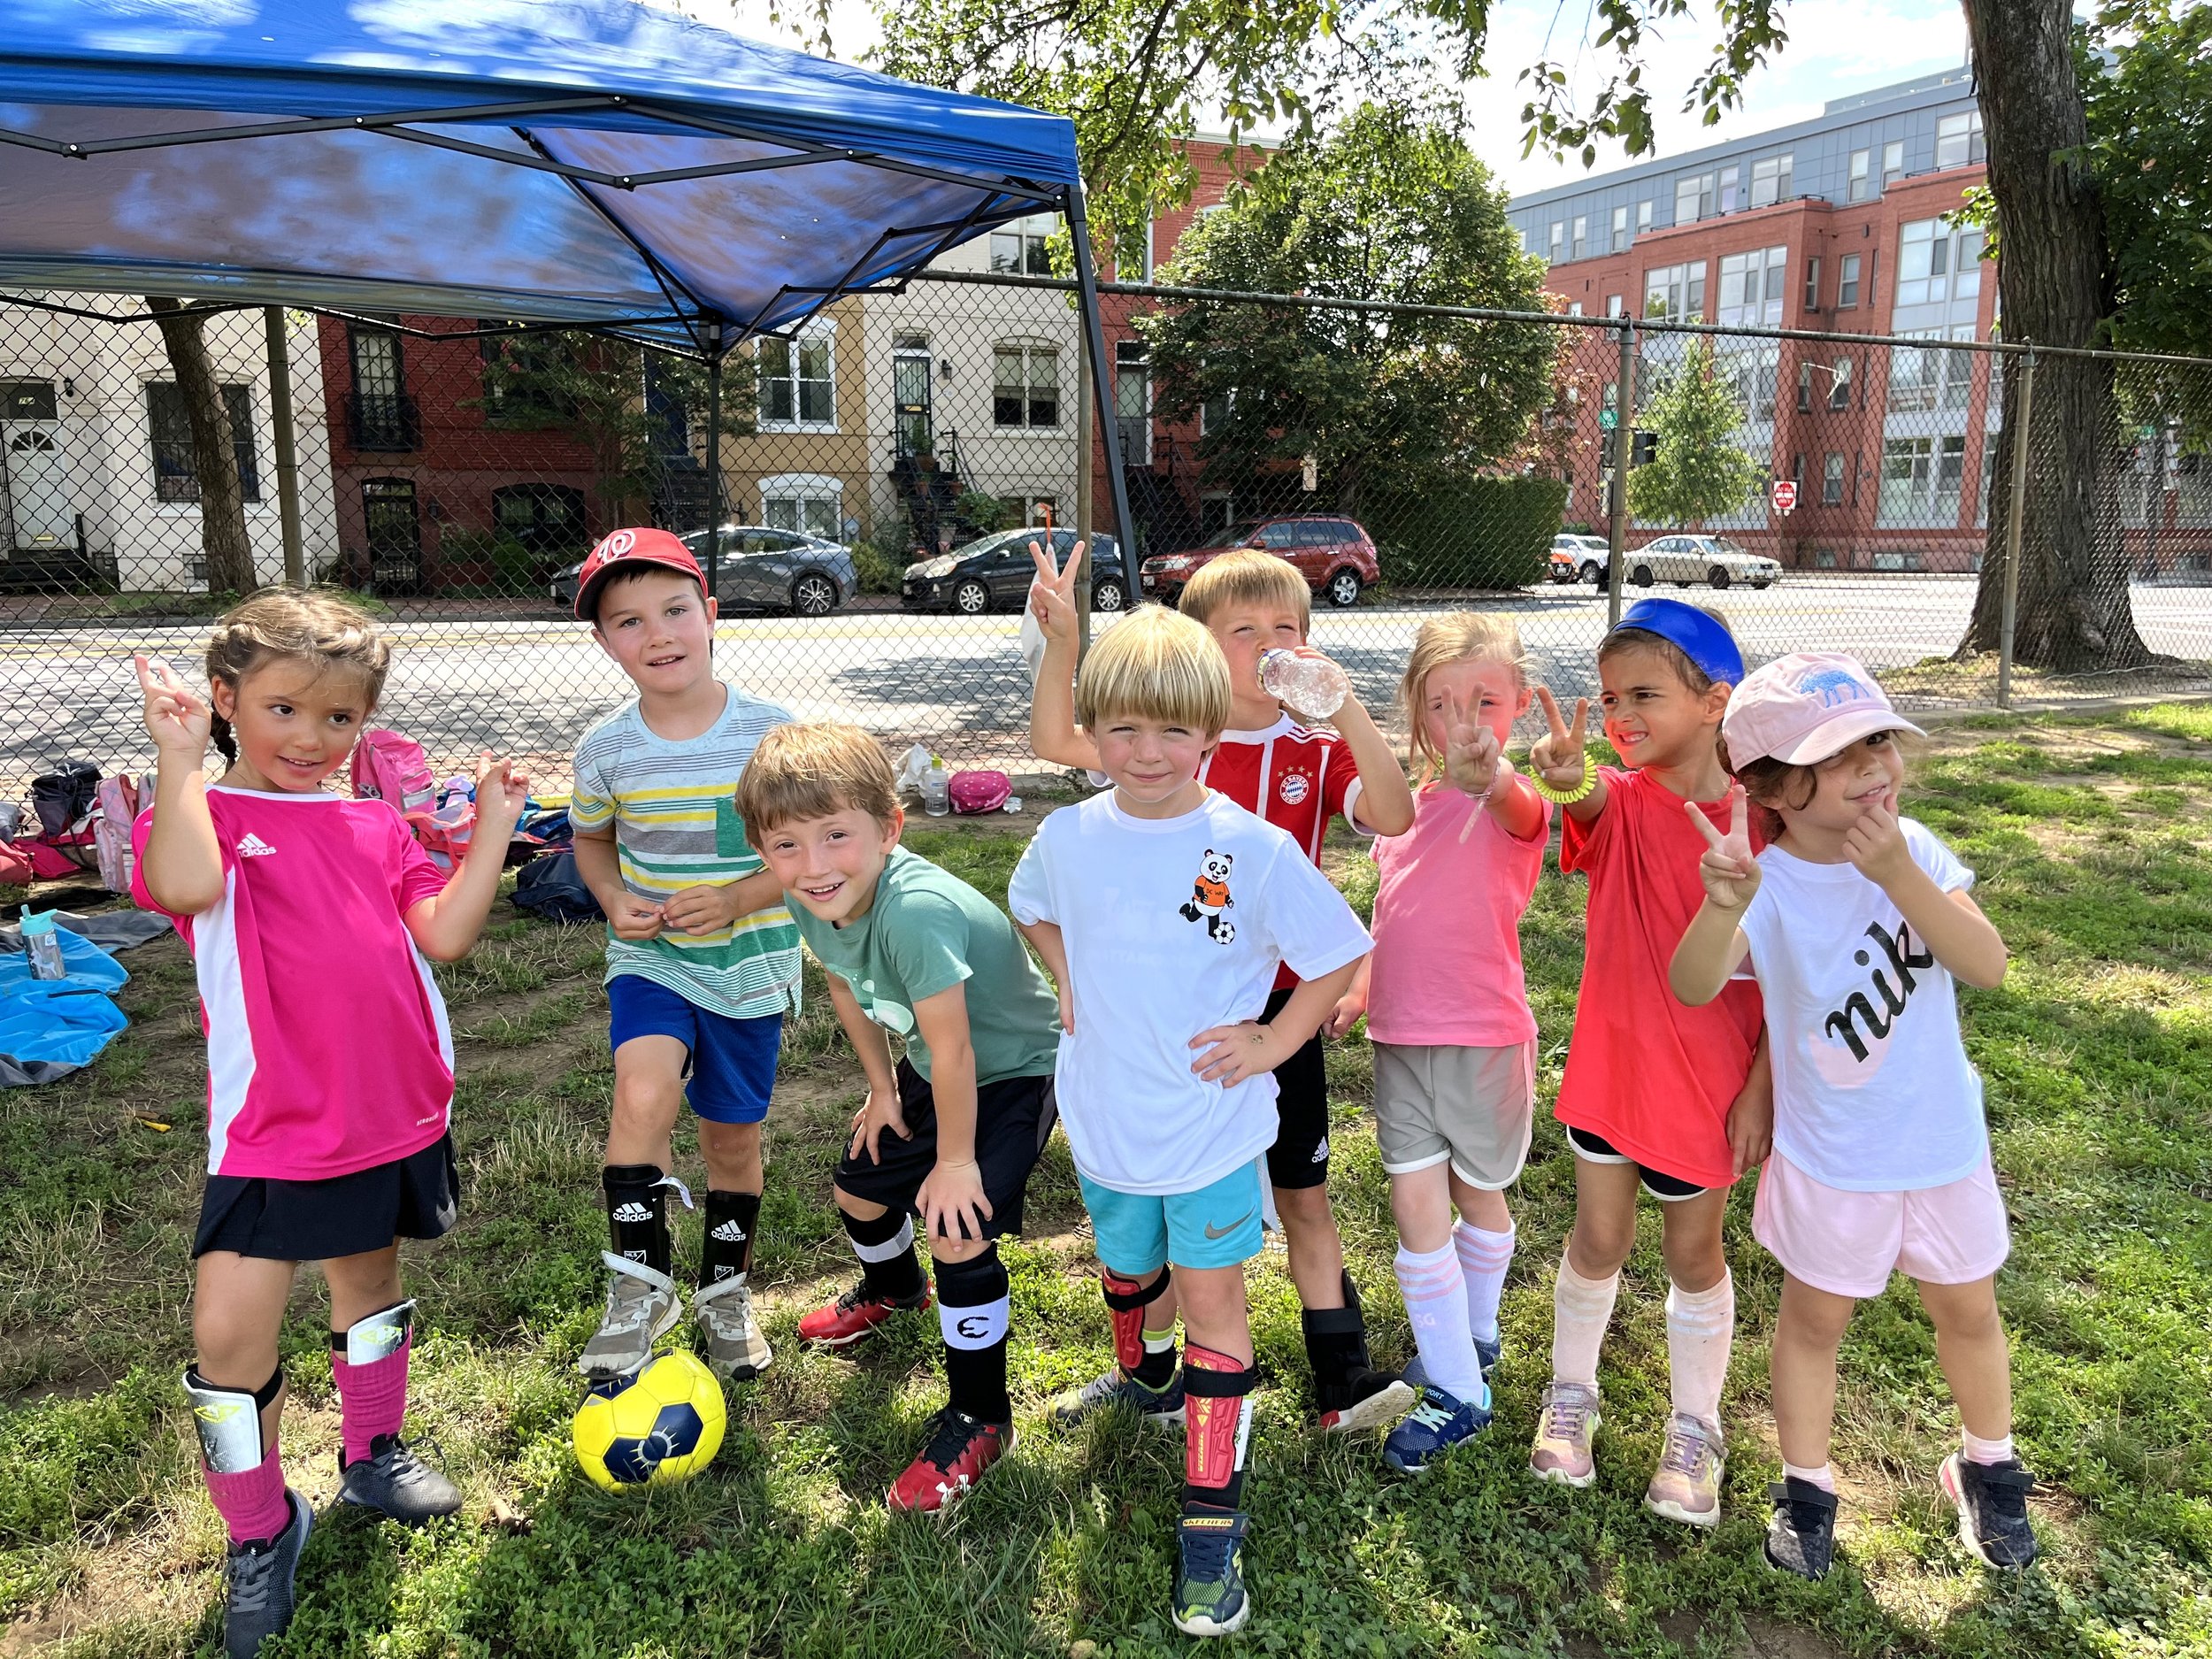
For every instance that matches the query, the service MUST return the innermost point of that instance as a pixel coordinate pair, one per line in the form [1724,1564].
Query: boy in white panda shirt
[1163,911]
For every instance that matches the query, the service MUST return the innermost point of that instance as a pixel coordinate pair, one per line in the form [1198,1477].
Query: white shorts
[1472,1106]
[1847,1244]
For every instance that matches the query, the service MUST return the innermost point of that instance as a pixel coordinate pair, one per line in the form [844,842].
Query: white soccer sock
[1823,1477]
[1483,1259]
[1436,1303]
[1977,1450]
[1700,1329]
[1581,1308]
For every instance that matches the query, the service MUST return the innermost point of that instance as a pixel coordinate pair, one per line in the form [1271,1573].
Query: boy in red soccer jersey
[1297,778]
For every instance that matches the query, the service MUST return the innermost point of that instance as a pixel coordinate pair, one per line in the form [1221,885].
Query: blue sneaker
[1210,1594]
[1114,1389]
[1488,1352]
[1440,1422]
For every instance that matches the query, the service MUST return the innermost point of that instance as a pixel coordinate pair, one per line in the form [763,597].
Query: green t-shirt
[926,931]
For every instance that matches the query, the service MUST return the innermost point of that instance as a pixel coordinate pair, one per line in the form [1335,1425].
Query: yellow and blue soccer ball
[663,1426]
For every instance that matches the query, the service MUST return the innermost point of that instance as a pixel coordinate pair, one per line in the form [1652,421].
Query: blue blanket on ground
[51,1027]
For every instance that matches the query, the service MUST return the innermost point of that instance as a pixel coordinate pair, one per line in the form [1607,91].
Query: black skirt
[414,1197]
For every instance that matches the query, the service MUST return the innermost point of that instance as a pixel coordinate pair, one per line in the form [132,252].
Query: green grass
[2089,839]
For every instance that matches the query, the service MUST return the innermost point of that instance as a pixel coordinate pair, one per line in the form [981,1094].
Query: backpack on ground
[550,887]
[64,797]
[389,767]
[119,801]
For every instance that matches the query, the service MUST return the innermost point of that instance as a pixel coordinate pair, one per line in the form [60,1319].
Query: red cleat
[960,1449]
[853,1315]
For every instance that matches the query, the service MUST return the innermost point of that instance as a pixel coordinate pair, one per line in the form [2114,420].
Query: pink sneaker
[1563,1432]
[1687,1487]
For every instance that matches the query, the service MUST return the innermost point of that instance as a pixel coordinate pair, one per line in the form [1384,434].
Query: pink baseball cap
[1805,707]
[623,547]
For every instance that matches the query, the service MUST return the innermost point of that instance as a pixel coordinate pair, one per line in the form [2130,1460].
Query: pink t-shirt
[1447,968]
[328,1048]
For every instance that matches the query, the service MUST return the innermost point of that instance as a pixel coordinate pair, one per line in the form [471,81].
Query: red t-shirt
[328,1048]
[1650,1076]
[1294,779]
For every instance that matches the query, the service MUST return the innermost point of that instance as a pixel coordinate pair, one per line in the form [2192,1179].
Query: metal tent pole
[287,462]
[1101,384]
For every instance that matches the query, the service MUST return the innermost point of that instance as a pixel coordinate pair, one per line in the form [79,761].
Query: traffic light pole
[1624,448]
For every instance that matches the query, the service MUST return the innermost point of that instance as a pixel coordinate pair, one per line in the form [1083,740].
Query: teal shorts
[1139,1232]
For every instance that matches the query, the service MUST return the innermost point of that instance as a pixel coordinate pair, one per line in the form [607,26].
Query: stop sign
[1783,491]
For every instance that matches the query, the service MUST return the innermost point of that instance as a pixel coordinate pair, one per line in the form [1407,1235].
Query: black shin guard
[637,1213]
[972,1307]
[1336,1347]
[886,1248]
[726,1250]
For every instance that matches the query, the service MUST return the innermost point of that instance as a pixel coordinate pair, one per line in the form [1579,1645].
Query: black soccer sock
[637,1213]
[973,1307]
[886,1248]
[726,1250]
[1336,1347]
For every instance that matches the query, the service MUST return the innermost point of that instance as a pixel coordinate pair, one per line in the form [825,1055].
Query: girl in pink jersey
[1447,1012]
[312,918]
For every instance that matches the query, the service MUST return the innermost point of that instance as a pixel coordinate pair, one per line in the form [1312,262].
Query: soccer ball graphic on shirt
[663,1426]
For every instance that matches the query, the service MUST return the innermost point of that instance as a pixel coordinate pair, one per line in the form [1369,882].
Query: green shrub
[1473,533]
[878,566]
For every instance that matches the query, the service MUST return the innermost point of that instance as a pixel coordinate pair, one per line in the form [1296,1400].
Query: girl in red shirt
[1671,1100]
[310,917]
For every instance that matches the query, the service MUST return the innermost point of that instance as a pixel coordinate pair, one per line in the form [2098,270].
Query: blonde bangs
[1247,577]
[1155,664]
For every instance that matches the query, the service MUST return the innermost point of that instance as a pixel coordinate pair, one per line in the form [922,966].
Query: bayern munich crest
[1293,786]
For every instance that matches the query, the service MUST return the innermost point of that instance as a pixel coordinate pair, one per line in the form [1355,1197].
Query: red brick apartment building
[1841,225]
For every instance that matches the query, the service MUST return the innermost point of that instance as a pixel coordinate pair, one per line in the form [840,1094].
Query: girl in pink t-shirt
[1447,1012]
[310,917]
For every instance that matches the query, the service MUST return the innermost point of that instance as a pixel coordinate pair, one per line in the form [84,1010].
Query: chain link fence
[883,471]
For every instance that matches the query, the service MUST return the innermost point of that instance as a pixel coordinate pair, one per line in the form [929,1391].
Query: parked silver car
[761,569]
[1712,560]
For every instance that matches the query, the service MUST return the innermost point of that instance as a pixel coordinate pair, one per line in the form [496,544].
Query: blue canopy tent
[566,163]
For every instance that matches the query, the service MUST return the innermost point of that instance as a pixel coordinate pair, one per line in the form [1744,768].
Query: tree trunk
[2055,290]
[214,457]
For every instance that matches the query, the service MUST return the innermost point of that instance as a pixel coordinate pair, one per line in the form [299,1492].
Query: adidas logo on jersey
[254,846]
[729,1232]
[633,1212]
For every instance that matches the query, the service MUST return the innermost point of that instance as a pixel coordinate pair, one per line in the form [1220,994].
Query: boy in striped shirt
[702,958]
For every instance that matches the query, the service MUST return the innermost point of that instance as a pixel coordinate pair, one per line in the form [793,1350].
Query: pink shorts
[1847,1244]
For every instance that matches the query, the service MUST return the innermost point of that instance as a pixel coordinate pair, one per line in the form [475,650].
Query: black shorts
[415,1197]
[1013,1120]
[1667,1189]
[1299,1156]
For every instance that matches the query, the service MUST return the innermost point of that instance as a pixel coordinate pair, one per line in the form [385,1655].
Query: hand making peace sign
[177,716]
[1730,872]
[1558,758]
[1471,750]
[1052,594]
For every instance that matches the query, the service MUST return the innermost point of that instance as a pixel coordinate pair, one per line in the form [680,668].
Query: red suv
[1334,554]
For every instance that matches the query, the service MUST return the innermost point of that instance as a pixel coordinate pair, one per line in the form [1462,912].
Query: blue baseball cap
[1697,635]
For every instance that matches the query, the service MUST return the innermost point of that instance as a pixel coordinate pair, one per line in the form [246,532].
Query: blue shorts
[731,1063]
[1215,1227]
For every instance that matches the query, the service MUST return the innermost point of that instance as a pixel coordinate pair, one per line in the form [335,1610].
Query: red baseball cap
[623,548]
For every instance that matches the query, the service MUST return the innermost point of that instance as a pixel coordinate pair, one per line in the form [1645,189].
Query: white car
[1579,558]
[1712,560]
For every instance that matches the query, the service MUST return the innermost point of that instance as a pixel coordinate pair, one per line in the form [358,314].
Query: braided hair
[314,627]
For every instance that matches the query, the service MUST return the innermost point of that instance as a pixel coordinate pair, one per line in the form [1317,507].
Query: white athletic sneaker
[737,1348]
[642,1307]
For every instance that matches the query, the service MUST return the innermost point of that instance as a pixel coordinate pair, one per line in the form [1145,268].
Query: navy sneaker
[394,1482]
[1488,1352]
[1992,1504]
[1161,1408]
[1209,1597]
[1801,1537]
[1440,1421]
[258,1578]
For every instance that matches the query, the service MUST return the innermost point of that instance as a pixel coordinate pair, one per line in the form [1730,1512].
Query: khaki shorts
[1471,1106]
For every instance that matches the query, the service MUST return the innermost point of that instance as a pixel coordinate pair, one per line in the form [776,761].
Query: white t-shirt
[1872,1089]
[1172,926]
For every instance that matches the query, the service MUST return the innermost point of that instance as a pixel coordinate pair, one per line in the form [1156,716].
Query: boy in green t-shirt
[950,1133]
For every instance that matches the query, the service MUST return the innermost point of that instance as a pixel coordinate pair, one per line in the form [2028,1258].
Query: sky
[1836,48]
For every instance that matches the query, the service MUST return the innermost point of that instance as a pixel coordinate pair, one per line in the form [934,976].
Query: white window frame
[1860,188]
[1032,237]
[1030,350]
[1643,217]
[1620,228]
[1959,141]
[1558,239]
[802,490]
[1758,278]
[1682,290]
[1847,268]
[1938,261]
[1579,239]
[819,331]
[1831,479]
[1773,179]
[1893,161]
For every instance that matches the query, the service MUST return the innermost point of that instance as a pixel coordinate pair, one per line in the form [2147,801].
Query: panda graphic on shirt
[1209,901]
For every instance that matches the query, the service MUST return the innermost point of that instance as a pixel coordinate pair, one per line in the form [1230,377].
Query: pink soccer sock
[1483,1260]
[372,1398]
[252,1504]
[1581,1310]
[1436,1305]
[1700,1329]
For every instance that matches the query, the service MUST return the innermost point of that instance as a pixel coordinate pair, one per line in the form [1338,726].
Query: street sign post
[1783,492]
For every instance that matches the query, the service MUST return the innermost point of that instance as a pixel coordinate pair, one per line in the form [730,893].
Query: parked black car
[994,573]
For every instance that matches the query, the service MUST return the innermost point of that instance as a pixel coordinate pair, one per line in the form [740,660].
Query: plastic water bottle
[1310,685]
[937,788]
[42,945]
